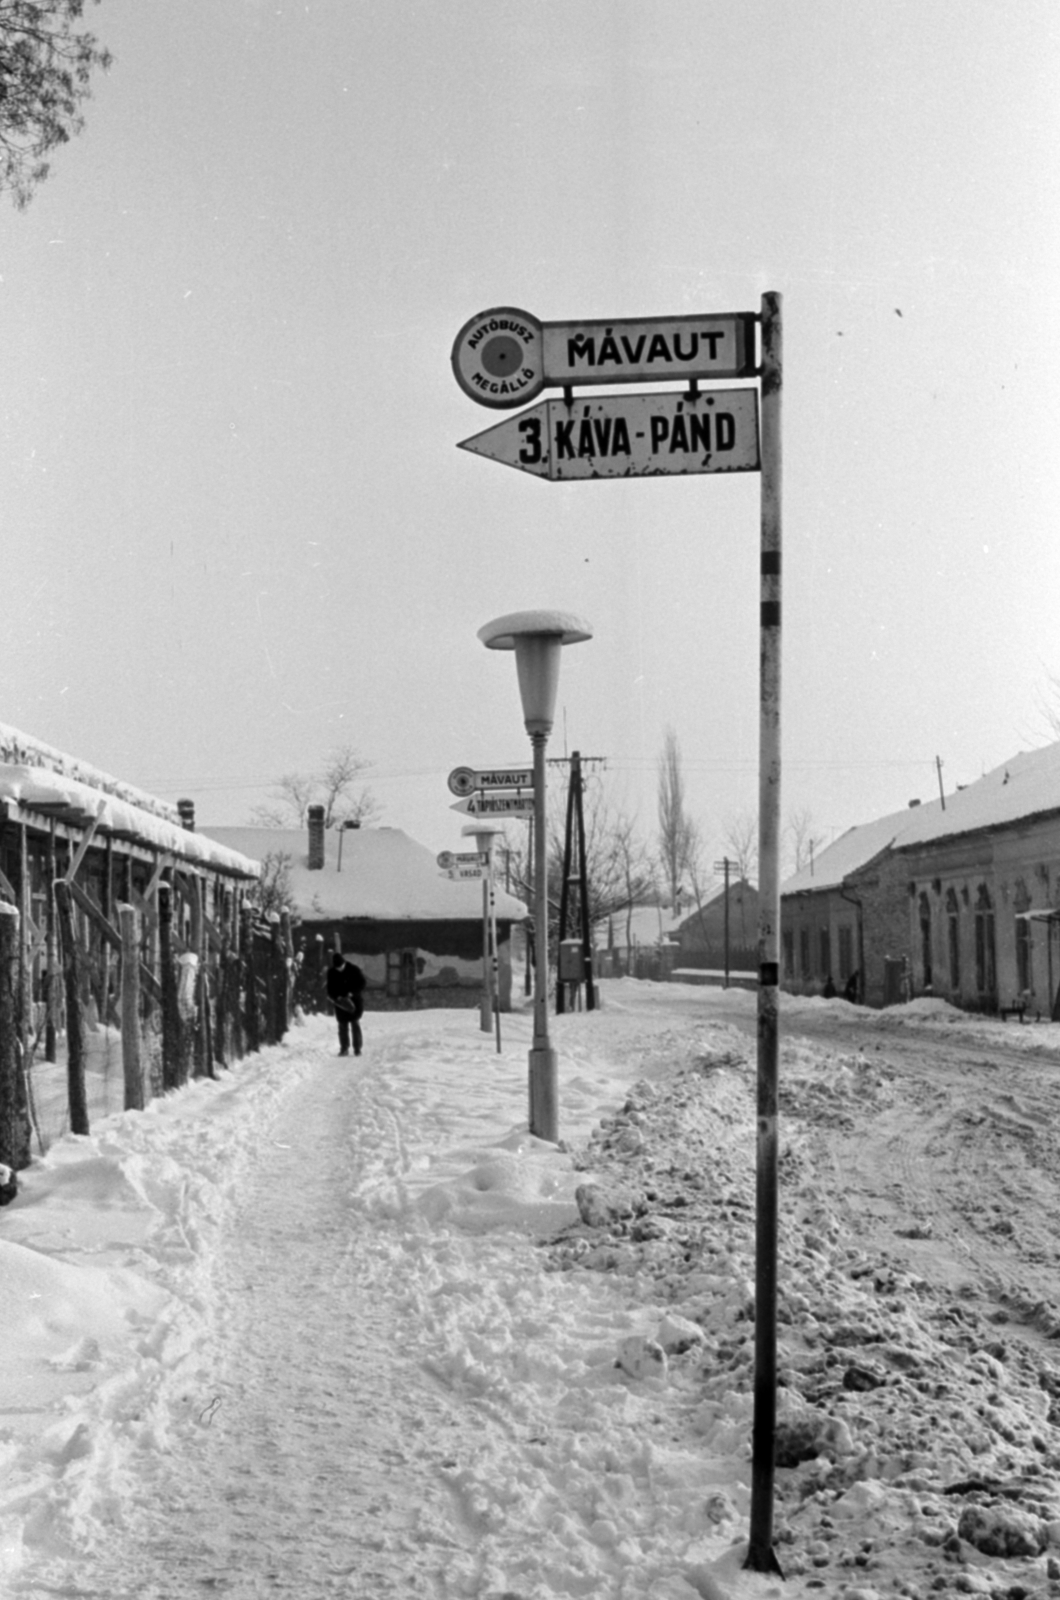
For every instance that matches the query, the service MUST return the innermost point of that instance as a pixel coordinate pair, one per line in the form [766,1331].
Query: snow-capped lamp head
[537,638]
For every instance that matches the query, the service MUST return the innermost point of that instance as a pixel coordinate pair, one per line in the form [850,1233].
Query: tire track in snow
[298,1470]
[975,1189]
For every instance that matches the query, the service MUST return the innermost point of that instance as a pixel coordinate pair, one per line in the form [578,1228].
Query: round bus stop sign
[498,357]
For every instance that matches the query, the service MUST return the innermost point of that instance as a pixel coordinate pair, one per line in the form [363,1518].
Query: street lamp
[537,638]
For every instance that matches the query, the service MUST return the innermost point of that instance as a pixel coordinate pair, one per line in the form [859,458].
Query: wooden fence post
[231,968]
[26,952]
[51,986]
[277,981]
[287,956]
[75,1035]
[251,1015]
[172,1032]
[131,1049]
[202,1065]
[14,1110]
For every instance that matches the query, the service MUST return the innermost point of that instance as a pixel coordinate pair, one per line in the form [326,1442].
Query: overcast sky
[238,533]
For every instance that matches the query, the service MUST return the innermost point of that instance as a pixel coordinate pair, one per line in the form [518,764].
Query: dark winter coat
[345,985]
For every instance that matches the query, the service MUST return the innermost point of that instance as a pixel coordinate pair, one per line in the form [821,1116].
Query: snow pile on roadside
[917,1440]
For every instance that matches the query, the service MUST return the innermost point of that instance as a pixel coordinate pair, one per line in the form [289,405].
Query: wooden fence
[186,990]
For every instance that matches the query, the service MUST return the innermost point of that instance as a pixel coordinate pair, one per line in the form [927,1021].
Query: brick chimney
[315,815]
[186,812]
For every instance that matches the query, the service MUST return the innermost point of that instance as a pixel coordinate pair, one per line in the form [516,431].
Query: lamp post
[537,638]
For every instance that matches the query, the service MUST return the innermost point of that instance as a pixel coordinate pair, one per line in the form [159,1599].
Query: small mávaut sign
[505,357]
[465,780]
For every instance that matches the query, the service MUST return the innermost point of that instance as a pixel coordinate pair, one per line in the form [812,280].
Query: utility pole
[723,866]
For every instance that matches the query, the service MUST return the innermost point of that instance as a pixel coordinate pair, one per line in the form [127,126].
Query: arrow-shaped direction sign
[495,805]
[462,858]
[462,873]
[465,780]
[505,357]
[628,436]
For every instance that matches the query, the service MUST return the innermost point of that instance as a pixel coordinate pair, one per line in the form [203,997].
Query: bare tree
[344,801]
[674,824]
[273,891]
[335,787]
[740,838]
[46,65]
[805,839]
[700,875]
[1049,704]
[618,865]
[634,869]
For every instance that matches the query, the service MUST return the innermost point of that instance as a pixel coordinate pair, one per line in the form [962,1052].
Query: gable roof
[1026,786]
[385,876]
[851,850]
[44,779]
[738,887]
[648,925]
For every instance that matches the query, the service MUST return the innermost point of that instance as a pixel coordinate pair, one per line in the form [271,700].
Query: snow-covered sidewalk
[290,1332]
[340,1328]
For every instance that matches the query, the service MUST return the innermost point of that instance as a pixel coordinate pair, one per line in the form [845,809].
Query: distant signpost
[495,805]
[463,864]
[465,780]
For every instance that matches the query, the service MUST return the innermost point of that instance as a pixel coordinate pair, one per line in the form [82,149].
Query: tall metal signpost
[504,358]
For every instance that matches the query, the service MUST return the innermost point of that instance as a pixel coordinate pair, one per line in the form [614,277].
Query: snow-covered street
[335,1327]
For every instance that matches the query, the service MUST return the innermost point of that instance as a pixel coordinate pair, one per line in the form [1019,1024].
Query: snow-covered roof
[692,919]
[40,789]
[852,850]
[1026,786]
[20,749]
[648,925]
[384,874]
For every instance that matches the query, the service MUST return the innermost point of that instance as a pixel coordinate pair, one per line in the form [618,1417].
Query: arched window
[985,954]
[924,911]
[953,939]
[1021,902]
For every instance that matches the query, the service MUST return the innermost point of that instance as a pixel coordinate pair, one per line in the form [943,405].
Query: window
[825,948]
[953,940]
[788,944]
[1023,954]
[985,957]
[1021,901]
[804,953]
[846,951]
[924,909]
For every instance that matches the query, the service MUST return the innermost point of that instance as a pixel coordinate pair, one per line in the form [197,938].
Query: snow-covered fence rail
[140,1045]
[138,958]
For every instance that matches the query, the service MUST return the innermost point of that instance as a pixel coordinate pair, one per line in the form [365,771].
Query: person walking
[345,984]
